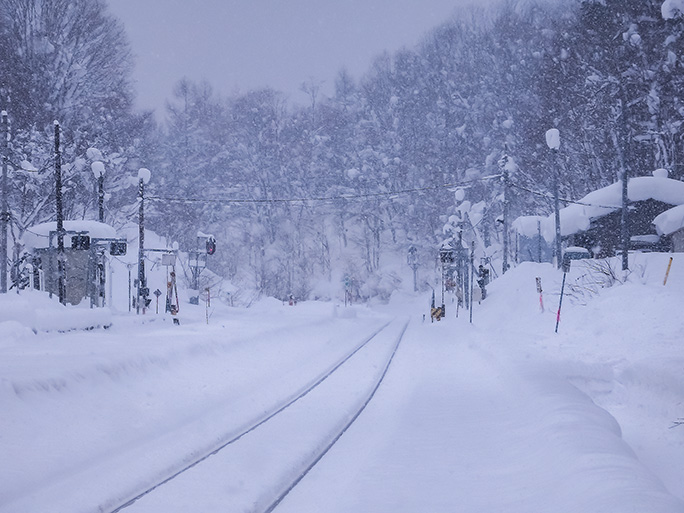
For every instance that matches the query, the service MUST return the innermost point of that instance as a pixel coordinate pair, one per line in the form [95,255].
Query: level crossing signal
[211,246]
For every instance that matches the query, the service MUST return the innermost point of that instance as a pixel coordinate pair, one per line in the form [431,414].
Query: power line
[321,198]
[367,195]
[564,200]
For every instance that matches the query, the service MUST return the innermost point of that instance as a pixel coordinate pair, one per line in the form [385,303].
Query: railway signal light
[80,242]
[117,248]
[211,246]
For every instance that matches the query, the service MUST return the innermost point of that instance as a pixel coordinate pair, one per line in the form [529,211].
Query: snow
[529,225]
[672,9]
[98,168]
[202,235]
[577,249]
[353,173]
[670,221]
[553,138]
[34,311]
[94,154]
[144,174]
[38,236]
[489,416]
[649,238]
[28,166]
[510,165]
[577,217]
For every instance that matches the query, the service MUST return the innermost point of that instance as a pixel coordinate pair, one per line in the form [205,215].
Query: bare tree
[72,61]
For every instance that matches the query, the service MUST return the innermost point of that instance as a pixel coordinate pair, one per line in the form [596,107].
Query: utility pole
[624,157]
[143,292]
[539,242]
[100,198]
[61,264]
[624,220]
[503,165]
[4,215]
[556,208]
[99,171]
[553,142]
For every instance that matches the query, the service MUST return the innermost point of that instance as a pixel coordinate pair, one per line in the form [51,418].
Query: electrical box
[117,248]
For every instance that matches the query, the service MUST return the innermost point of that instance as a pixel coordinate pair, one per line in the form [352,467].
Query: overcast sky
[239,45]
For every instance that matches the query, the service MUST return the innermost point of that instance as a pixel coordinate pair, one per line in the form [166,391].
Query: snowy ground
[499,415]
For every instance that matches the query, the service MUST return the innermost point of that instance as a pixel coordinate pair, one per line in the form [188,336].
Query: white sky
[238,45]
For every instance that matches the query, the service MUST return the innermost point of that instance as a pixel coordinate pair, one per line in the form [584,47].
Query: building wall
[533,249]
[603,238]
[76,273]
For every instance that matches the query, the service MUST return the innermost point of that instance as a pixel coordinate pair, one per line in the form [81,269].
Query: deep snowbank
[37,312]
[461,429]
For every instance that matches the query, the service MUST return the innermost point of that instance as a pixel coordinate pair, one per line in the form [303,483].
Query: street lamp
[143,178]
[99,172]
[553,142]
[61,259]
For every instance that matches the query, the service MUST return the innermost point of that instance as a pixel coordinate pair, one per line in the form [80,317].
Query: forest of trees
[405,155]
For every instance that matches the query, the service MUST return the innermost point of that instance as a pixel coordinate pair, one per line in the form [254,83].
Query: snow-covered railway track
[326,448]
[382,354]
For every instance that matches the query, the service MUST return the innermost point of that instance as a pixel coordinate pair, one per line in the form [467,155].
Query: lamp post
[97,258]
[99,171]
[61,263]
[143,178]
[553,142]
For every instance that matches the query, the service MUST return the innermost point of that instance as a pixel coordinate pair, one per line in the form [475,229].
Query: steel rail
[268,416]
[339,434]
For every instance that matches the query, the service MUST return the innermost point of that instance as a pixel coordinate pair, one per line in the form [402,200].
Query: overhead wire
[564,200]
[322,198]
[464,183]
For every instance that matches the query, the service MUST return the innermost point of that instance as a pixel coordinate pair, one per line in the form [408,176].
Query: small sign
[539,285]
[566,264]
[157,293]
[168,259]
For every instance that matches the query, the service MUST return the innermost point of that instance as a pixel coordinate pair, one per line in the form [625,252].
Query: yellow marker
[668,272]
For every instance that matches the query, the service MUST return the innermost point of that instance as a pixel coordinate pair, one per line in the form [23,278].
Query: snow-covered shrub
[596,275]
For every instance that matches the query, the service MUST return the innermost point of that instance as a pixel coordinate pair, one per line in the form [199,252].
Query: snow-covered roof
[529,225]
[38,237]
[576,249]
[670,221]
[578,216]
